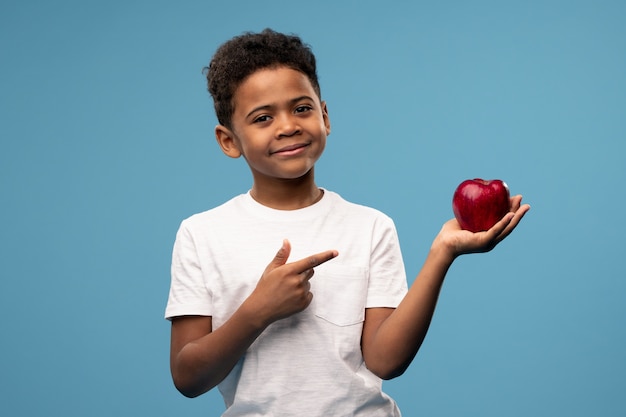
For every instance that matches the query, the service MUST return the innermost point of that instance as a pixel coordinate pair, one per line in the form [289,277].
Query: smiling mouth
[290,150]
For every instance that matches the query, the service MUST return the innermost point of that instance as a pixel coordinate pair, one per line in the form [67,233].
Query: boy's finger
[498,228]
[519,214]
[308,274]
[281,256]
[312,261]
[515,219]
[515,202]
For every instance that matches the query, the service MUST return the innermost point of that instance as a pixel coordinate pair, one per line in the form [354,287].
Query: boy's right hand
[284,288]
[458,241]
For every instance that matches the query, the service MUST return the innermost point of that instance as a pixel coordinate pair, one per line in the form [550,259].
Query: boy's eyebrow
[269,106]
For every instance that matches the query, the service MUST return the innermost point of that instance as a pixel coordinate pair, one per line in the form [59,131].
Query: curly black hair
[241,56]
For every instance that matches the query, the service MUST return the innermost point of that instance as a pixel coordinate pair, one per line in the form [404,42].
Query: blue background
[107,144]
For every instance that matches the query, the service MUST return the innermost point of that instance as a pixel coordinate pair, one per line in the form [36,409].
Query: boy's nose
[287,126]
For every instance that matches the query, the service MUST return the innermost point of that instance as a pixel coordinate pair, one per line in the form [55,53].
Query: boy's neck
[287,195]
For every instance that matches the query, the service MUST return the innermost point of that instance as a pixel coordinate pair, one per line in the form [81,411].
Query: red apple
[479,204]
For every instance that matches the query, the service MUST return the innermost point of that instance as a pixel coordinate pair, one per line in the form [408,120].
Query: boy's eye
[303,108]
[261,119]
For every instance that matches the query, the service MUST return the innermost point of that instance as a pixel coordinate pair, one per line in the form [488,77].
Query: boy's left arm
[392,337]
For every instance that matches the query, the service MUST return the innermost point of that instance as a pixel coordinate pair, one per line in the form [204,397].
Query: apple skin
[479,204]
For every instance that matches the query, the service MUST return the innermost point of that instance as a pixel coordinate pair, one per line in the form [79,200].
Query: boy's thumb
[282,255]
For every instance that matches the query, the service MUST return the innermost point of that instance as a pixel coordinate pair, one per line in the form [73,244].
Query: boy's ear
[326,118]
[226,139]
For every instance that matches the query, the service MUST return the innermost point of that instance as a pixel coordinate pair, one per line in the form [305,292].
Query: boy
[310,330]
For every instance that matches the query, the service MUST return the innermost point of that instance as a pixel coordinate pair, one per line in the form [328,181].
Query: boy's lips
[290,149]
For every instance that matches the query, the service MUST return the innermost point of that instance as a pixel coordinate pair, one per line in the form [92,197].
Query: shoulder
[355,209]
[224,210]
[211,219]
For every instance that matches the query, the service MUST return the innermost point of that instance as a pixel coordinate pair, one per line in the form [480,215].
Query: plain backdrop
[107,143]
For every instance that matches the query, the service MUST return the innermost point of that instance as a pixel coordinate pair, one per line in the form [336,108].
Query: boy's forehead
[272,83]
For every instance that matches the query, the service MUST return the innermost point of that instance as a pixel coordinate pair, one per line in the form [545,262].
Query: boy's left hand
[458,241]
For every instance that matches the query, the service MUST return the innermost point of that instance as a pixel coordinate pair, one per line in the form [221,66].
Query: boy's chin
[296,174]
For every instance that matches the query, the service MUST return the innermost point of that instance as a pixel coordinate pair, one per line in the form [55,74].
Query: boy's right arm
[201,358]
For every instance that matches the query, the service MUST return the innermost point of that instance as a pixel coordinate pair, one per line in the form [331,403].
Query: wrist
[254,316]
[443,251]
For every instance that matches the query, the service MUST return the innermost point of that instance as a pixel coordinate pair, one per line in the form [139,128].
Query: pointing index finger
[314,260]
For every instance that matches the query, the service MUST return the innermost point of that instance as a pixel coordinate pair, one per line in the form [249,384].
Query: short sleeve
[188,294]
[387,282]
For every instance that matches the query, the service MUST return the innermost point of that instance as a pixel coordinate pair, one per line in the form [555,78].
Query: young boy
[310,330]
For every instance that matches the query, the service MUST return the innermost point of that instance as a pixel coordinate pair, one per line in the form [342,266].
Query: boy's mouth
[290,150]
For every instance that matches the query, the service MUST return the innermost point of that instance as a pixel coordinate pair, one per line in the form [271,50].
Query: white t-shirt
[309,364]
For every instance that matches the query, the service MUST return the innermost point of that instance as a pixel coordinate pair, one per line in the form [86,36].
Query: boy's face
[279,125]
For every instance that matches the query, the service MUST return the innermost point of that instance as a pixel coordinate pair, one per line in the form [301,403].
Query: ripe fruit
[479,204]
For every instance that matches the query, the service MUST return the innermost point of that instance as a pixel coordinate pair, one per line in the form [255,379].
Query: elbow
[187,386]
[189,393]
[387,366]
[389,374]
[386,371]
[184,388]
[188,390]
